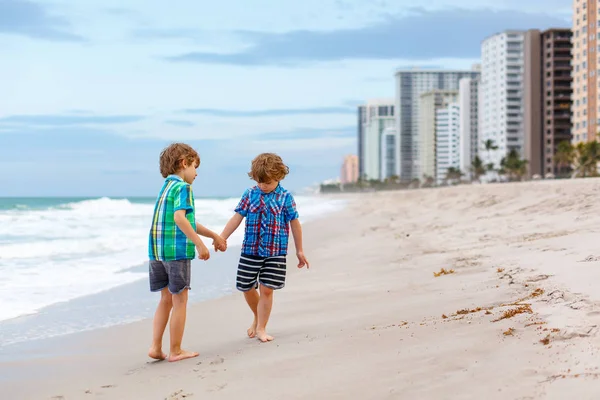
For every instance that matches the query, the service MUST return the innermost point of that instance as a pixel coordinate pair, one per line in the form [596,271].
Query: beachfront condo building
[502,95]
[447,140]
[585,68]
[429,103]
[376,116]
[349,172]
[388,153]
[410,85]
[468,95]
[547,108]
[360,134]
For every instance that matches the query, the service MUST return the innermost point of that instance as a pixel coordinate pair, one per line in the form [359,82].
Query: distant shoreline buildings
[533,90]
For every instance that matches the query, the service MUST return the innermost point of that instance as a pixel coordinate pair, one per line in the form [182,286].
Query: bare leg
[177,327]
[161,317]
[252,299]
[265,304]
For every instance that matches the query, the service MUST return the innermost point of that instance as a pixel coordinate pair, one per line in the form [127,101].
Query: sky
[91,91]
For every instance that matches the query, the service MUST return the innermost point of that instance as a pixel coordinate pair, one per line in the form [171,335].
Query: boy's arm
[297,234]
[218,241]
[232,225]
[185,226]
[204,231]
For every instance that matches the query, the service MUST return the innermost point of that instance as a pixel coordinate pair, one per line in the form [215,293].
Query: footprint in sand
[572,332]
[218,360]
[217,388]
[179,395]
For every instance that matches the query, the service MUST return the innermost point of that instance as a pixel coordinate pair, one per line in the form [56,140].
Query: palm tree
[453,174]
[490,145]
[477,168]
[428,181]
[564,156]
[513,166]
[587,156]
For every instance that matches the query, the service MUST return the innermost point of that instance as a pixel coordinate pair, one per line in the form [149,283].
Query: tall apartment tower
[468,95]
[502,95]
[548,92]
[556,70]
[410,85]
[388,153]
[375,117]
[429,103]
[349,171]
[360,135]
[585,64]
[447,140]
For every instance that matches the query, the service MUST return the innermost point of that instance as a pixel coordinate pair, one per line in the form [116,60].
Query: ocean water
[54,250]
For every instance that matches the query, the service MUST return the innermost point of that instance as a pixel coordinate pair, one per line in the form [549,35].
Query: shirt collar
[174,177]
[277,190]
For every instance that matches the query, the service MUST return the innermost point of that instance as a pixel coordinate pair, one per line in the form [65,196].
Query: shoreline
[123,304]
[512,313]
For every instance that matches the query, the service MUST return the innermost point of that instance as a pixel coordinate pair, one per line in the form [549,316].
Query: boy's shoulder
[173,188]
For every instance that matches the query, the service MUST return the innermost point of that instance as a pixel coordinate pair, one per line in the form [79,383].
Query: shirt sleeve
[244,204]
[183,198]
[289,209]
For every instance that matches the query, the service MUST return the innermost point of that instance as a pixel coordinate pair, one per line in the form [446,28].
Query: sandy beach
[469,292]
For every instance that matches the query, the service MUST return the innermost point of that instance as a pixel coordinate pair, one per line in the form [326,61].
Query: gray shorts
[176,275]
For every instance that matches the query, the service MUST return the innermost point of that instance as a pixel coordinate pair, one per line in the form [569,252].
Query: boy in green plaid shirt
[172,245]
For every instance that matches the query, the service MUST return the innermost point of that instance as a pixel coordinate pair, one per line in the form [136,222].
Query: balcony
[562,106]
[561,65]
[562,115]
[562,125]
[562,37]
[562,55]
[561,84]
[562,77]
[562,93]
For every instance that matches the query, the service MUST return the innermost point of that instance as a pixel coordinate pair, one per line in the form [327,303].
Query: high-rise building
[378,115]
[362,121]
[501,106]
[532,101]
[410,85]
[388,153]
[447,140]
[556,45]
[547,108]
[349,173]
[429,103]
[468,94]
[586,26]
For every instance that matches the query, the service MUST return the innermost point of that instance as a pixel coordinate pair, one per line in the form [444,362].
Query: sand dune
[514,314]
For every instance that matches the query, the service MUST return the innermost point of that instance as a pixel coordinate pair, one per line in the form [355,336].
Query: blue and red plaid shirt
[268,217]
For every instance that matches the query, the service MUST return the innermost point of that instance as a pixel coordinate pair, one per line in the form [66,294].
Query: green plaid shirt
[166,241]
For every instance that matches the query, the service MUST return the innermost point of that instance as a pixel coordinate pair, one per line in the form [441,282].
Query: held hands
[302,261]
[220,244]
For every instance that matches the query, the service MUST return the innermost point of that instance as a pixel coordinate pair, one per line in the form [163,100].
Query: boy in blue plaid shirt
[270,212]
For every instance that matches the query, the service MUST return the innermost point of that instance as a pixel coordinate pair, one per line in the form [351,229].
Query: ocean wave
[76,248]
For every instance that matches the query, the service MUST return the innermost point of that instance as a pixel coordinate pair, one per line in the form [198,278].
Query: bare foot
[157,354]
[252,330]
[182,355]
[263,337]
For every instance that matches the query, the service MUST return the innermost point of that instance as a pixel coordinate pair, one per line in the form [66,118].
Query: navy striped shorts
[268,271]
